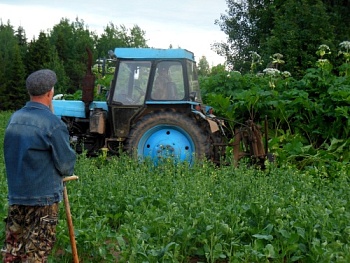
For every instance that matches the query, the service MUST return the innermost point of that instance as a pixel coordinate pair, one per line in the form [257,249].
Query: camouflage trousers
[30,233]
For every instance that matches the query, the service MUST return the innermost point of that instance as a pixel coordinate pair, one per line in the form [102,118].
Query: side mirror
[111,54]
[193,96]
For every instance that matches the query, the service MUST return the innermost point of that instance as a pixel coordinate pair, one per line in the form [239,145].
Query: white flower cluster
[286,74]
[345,45]
[271,71]
[255,56]
[324,47]
[323,60]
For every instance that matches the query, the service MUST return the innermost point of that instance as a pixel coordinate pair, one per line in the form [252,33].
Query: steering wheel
[138,88]
[125,99]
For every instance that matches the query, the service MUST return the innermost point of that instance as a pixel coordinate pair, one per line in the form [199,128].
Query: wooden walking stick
[69,218]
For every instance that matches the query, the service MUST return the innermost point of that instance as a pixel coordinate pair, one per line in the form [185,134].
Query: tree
[300,27]
[22,40]
[38,53]
[16,86]
[113,37]
[137,37]
[338,11]
[71,39]
[292,28]
[12,72]
[203,66]
[247,24]
[62,49]
[56,65]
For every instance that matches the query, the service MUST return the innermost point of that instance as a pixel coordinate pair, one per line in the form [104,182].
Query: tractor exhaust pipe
[88,83]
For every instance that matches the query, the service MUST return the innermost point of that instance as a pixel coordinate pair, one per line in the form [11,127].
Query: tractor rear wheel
[165,135]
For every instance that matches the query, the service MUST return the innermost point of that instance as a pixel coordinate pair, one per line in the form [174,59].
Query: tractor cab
[146,76]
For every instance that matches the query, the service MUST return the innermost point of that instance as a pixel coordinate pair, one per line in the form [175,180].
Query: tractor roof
[153,53]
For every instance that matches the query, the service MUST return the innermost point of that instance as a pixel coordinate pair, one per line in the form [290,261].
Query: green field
[124,211]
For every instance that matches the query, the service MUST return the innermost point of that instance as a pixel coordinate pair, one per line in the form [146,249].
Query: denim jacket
[37,156]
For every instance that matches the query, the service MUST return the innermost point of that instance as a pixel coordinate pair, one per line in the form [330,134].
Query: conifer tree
[38,53]
[12,71]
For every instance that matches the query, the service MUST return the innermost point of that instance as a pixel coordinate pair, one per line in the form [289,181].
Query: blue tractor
[153,110]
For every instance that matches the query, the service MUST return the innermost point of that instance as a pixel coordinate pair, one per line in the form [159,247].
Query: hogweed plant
[345,45]
[345,51]
[286,74]
[273,74]
[256,60]
[277,60]
[323,50]
[322,63]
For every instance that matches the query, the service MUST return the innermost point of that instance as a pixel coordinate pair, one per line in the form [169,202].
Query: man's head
[41,82]
[163,70]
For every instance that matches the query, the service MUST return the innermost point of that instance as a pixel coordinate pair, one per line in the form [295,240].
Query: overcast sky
[187,24]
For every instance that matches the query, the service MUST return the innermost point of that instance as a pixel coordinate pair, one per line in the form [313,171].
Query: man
[37,156]
[160,84]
